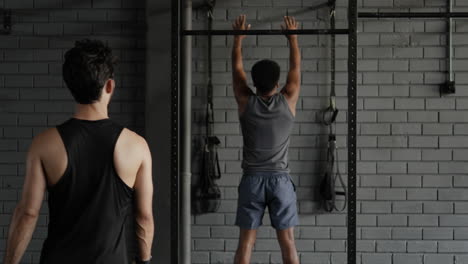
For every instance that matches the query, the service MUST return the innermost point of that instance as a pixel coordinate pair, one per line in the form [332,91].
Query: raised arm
[144,204]
[293,82]
[26,212]
[239,78]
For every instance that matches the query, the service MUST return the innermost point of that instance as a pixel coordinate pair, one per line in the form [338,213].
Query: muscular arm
[144,205]
[293,82]
[26,212]
[239,78]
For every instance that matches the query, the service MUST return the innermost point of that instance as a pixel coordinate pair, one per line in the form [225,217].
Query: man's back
[91,167]
[95,170]
[266,128]
[127,155]
[267,121]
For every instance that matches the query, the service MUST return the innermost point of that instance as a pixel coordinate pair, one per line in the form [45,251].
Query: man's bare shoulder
[46,141]
[130,136]
[131,140]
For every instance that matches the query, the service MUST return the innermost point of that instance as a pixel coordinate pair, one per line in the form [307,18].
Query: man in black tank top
[267,120]
[97,174]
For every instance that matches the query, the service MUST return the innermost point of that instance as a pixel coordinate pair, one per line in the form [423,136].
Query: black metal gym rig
[178,33]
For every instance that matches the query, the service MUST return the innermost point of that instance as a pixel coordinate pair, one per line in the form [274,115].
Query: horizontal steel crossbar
[413,15]
[267,32]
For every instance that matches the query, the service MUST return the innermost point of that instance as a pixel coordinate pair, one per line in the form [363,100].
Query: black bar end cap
[447,88]
[6,22]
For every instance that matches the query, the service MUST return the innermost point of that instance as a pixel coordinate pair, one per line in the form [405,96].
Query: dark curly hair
[86,69]
[265,75]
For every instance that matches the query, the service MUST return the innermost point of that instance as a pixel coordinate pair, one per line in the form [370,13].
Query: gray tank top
[266,128]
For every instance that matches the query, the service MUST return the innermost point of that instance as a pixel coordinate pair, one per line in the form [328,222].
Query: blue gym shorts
[275,190]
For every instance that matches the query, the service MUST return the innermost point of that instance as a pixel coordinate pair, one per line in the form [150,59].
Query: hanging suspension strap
[212,141]
[207,194]
[329,115]
[328,184]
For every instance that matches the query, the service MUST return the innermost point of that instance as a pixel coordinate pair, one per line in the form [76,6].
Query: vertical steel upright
[185,134]
[352,124]
[451,75]
[175,206]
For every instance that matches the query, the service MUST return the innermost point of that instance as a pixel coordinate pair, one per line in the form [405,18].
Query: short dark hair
[86,69]
[265,75]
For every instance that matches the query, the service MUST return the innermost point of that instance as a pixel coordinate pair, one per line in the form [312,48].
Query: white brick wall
[412,144]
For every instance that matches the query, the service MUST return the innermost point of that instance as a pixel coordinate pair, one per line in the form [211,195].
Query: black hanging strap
[207,194]
[327,186]
[209,105]
[329,115]
[212,142]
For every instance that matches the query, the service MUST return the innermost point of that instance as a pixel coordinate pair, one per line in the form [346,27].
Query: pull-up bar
[260,32]
[342,31]
[267,32]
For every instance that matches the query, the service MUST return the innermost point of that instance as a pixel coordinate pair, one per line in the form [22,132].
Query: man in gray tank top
[267,119]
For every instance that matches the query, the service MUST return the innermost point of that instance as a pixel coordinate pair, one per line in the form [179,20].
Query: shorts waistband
[265,173]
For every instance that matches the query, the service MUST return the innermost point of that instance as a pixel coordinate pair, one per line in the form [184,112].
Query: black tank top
[90,207]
